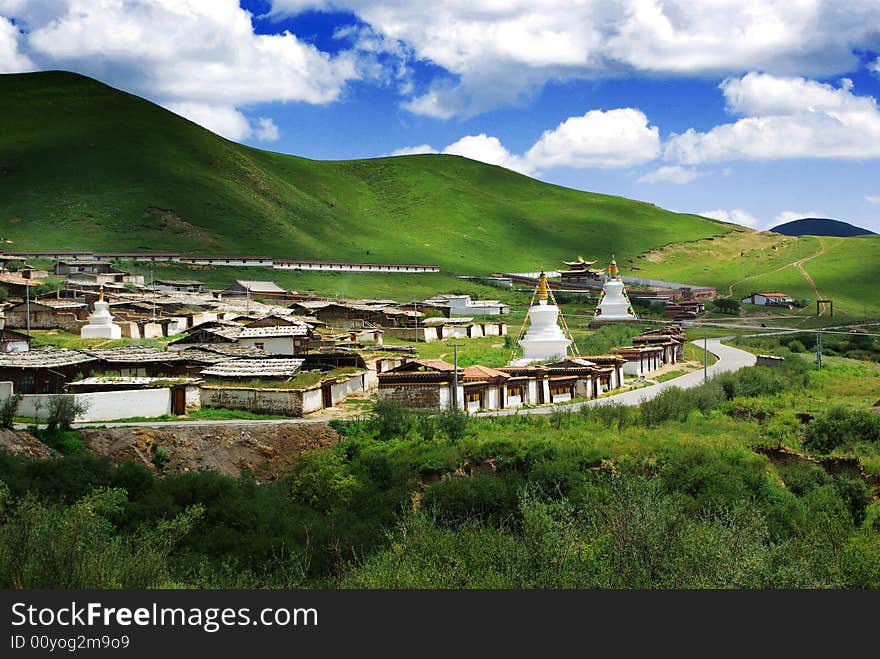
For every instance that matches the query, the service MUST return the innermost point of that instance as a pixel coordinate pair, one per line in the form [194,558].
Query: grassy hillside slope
[844,269]
[85,166]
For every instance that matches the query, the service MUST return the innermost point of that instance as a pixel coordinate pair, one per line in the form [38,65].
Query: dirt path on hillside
[800,266]
[796,264]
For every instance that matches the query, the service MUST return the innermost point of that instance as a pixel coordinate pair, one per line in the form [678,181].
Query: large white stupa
[544,339]
[614,304]
[101,322]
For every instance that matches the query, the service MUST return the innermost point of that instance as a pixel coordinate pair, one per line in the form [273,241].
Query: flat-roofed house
[277,340]
[254,288]
[640,360]
[44,370]
[772,299]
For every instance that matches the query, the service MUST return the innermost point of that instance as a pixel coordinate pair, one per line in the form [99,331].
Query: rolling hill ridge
[820,226]
[86,166]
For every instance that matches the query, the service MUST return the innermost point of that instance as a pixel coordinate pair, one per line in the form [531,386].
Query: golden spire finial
[101,294]
[612,268]
[542,286]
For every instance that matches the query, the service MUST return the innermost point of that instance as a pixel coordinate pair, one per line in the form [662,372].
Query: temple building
[101,322]
[544,339]
[581,273]
[614,304]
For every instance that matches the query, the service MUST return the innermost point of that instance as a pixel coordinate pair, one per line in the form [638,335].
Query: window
[560,390]
[259,345]
[515,390]
[472,396]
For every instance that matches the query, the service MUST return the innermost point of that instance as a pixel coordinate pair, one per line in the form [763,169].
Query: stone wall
[414,396]
[286,402]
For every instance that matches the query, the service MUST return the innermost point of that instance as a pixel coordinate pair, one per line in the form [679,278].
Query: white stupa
[544,339]
[614,305]
[101,322]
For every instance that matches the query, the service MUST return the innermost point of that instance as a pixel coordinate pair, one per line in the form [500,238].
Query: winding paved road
[729,359]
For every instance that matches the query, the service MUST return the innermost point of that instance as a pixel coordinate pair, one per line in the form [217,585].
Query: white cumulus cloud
[790,216]
[497,52]
[414,150]
[487,149]
[221,119]
[734,216]
[201,57]
[871,199]
[602,139]
[12,60]
[616,138]
[670,174]
[266,130]
[788,117]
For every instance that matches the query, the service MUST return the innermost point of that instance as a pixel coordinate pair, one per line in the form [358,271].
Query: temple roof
[580,261]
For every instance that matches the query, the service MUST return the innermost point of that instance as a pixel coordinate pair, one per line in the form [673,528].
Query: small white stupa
[614,304]
[101,322]
[544,339]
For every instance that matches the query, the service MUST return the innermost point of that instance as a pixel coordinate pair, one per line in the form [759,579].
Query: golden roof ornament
[542,286]
[612,268]
[101,294]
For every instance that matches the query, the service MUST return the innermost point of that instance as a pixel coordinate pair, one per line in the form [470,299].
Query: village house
[254,288]
[673,348]
[30,272]
[640,360]
[438,329]
[774,299]
[277,340]
[463,305]
[16,285]
[428,383]
[44,370]
[177,285]
[48,313]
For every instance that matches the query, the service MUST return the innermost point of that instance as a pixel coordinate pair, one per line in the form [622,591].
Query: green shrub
[324,481]
[453,422]
[841,426]
[486,498]
[426,426]
[391,418]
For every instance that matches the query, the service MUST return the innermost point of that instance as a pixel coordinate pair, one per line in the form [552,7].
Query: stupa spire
[542,287]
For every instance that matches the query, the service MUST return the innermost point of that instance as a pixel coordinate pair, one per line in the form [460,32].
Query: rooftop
[255,286]
[44,358]
[255,368]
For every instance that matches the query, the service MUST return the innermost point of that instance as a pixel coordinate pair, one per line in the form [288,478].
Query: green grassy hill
[844,269]
[85,166]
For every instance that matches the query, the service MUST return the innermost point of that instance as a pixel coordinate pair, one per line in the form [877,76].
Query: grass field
[86,166]
[843,269]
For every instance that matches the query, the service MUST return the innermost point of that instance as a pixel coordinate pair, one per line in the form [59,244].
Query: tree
[8,408]
[62,412]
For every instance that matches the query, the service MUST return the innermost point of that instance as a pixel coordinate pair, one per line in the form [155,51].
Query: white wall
[106,405]
[274,345]
[312,400]
[339,390]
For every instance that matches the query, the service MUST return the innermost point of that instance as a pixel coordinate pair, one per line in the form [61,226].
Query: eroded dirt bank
[268,451]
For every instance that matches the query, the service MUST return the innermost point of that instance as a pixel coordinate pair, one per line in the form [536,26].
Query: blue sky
[752,111]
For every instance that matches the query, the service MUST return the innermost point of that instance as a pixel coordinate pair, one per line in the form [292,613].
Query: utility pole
[27,296]
[819,349]
[455,347]
[153,286]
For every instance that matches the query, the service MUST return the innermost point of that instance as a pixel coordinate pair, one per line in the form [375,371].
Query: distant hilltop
[818,226]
